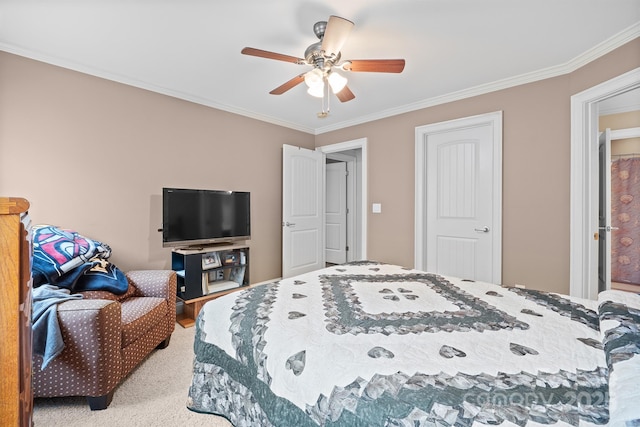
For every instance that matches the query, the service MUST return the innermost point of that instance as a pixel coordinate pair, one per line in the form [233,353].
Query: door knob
[484,229]
[289,224]
[608,228]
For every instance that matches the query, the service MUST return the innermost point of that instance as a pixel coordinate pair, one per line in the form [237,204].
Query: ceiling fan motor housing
[313,55]
[319,28]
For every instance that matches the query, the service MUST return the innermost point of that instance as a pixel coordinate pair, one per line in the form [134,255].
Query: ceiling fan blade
[288,85]
[271,55]
[345,94]
[375,65]
[335,35]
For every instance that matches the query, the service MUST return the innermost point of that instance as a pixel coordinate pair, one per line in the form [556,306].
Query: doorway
[619,208]
[354,154]
[303,199]
[340,207]
[584,251]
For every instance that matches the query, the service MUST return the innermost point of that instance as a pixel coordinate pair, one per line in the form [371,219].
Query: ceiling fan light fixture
[336,81]
[324,57]
[317,91]
[314,78]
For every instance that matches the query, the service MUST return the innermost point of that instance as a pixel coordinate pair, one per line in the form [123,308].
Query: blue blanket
[65,262]
[66,259]
[47,337]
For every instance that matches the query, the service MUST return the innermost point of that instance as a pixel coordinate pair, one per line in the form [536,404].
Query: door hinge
[346,173]
[347,249]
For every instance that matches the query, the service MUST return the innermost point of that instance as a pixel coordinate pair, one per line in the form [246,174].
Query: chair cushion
[139,315]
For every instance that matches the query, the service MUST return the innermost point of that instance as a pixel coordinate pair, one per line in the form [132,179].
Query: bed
[374,344]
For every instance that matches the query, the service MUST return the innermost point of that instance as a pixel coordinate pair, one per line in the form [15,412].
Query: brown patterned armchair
[107,335]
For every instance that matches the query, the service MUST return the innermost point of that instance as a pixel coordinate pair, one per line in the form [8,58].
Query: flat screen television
[200,217]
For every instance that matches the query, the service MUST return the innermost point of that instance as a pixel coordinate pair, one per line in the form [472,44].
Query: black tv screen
[199,217]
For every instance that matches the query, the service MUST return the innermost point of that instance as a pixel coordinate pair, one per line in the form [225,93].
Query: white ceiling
[190,49]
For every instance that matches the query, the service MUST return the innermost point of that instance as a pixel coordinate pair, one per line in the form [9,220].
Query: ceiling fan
[325,58]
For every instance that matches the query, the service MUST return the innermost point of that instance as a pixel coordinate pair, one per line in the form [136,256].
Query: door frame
[360,252]
[422,132]
[583,252]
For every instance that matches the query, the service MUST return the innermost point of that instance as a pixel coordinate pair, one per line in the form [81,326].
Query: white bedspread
[376,344]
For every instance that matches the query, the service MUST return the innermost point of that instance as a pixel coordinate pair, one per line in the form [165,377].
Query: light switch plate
[376,208]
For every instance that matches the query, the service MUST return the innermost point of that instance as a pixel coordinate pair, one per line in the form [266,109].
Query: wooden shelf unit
[208,273]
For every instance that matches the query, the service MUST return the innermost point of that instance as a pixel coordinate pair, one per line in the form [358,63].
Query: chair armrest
[91,362]
[91,321]
[155,283]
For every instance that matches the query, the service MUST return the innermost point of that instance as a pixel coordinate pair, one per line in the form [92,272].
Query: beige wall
[629,119]
[93,155]
[536,167]
[113,147]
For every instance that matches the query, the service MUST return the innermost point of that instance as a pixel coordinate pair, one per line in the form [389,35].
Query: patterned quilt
[371,344]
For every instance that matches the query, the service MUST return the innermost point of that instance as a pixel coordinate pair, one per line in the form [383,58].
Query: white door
[463,200]
[604,212]
[336,213]
[302,210]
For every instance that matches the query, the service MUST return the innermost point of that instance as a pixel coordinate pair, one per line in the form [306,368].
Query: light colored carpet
[154,394]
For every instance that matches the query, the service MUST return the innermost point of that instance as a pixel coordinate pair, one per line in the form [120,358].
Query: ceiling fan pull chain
[322,113]
[325,95]
[328,95]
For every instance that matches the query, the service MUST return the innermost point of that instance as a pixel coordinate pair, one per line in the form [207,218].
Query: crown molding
[592,54]
[118,78]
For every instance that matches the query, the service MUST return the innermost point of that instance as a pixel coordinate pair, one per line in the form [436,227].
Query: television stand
[207,273]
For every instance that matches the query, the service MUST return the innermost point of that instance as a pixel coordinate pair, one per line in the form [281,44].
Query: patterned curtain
[625,214]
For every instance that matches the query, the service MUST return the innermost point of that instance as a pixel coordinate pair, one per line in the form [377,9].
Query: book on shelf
[220,286]
[221,280]
[237,274]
